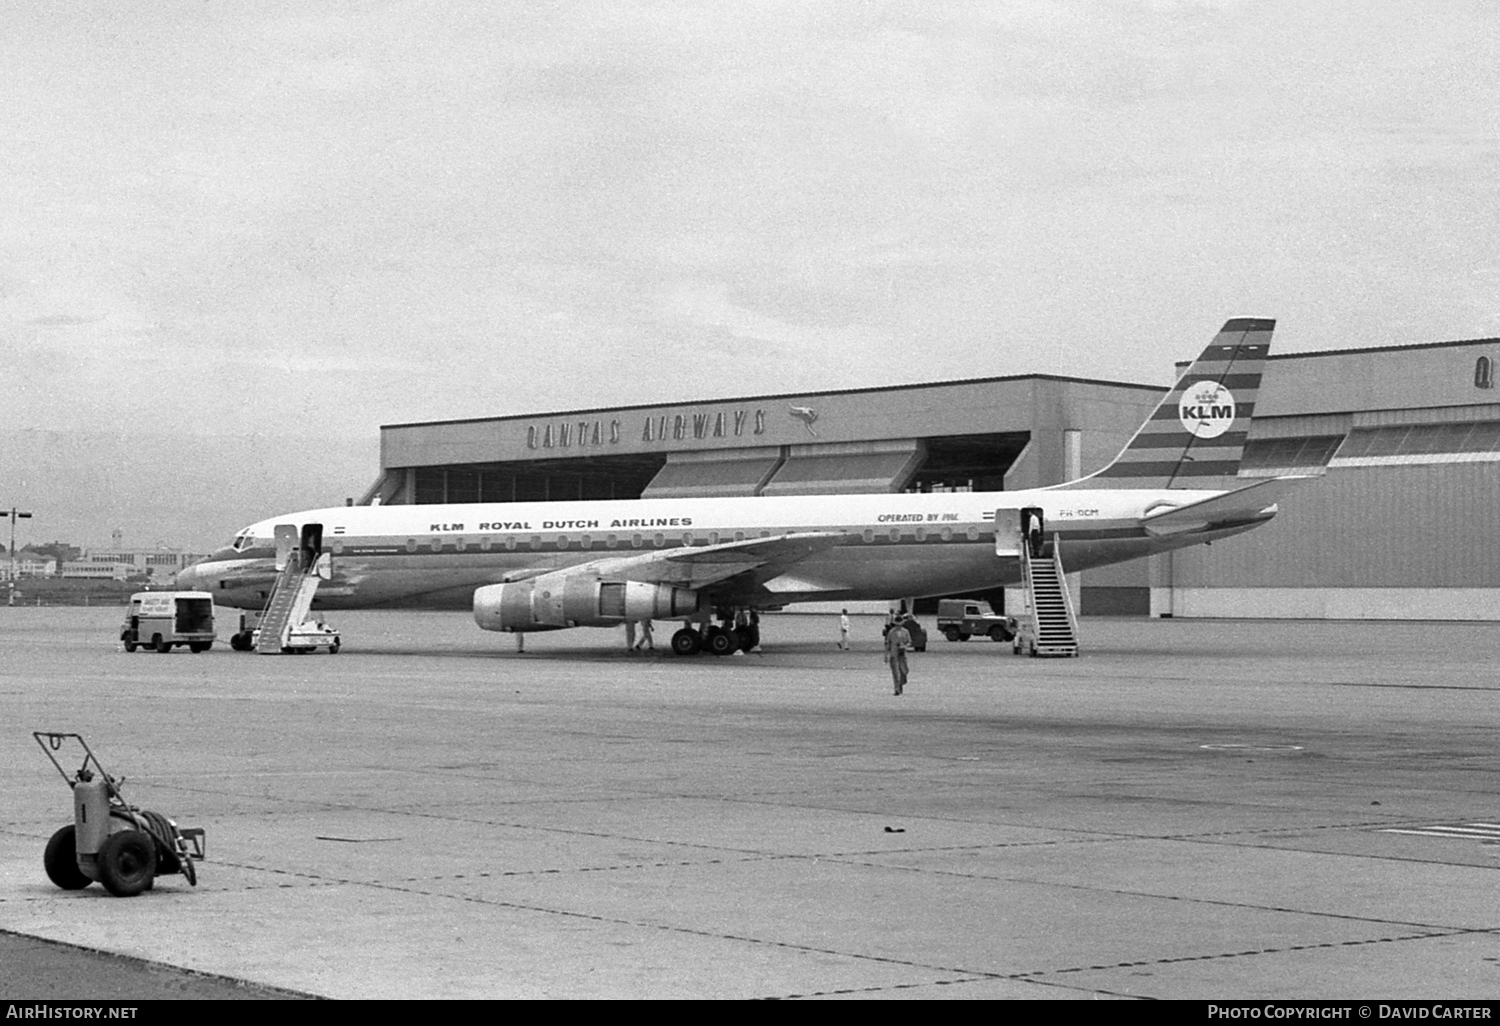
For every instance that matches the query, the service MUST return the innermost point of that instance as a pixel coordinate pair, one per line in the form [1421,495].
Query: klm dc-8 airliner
[534,566]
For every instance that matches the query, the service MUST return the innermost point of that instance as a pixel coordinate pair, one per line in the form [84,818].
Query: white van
[162,619]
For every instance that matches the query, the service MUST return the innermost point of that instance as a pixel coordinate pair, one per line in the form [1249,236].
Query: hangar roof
[1435,374]
[1020,403]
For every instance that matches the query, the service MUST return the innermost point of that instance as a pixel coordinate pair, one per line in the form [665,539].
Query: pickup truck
[962,619]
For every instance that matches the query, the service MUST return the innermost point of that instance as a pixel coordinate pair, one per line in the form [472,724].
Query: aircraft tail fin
[1196,437]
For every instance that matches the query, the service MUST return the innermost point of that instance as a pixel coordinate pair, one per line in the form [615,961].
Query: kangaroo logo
[1206,409]
[807,415]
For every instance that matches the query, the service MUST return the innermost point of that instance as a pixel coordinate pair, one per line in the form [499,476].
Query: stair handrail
[1062,586]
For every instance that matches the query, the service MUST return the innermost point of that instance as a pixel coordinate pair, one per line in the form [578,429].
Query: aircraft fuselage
[891,545]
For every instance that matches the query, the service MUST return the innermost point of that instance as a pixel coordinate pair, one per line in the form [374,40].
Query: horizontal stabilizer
[1234,508]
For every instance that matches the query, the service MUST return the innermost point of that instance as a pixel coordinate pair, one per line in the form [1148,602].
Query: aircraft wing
[1240,506]
[750,562]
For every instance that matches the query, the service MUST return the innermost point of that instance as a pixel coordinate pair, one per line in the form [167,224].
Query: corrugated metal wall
[1429,526]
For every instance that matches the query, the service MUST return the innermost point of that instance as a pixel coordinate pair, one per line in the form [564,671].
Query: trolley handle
[51,742]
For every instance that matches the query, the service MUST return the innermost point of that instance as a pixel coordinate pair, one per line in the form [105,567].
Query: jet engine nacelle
[577,600]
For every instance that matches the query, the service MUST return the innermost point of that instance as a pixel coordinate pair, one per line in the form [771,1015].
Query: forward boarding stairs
[1052,627]
[291,598]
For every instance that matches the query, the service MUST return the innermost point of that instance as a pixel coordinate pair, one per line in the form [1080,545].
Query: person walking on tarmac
[844,630]
[896,641]
[646,640]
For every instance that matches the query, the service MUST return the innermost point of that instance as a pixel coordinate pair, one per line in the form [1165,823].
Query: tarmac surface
[1192,809]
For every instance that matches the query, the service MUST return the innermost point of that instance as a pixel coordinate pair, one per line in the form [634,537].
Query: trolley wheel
[130,646]
[200,646]
[686,642]
[162,644]
[61,861]
[127,863]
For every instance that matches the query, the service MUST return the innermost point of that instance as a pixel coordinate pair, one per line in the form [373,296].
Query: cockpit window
[242,541]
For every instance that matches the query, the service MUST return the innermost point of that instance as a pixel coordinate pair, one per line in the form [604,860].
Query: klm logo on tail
[1196,437]
[1206,410]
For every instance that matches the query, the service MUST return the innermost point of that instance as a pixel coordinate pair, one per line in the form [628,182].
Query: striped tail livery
[1196,437]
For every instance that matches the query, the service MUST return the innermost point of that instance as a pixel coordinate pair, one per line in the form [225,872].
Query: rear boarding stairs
[1050,626]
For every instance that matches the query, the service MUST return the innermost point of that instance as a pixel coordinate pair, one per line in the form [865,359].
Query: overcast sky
[316,218]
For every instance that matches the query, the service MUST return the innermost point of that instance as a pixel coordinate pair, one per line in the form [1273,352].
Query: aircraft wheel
[240,641]
[127,863]
[686,642]
[748,638]
[162,644]
[721,642]
[61,861]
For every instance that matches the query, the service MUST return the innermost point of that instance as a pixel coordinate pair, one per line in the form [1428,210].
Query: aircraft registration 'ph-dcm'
[536,566]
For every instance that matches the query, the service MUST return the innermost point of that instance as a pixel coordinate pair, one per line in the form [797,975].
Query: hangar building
[1401,523]
[1404,523]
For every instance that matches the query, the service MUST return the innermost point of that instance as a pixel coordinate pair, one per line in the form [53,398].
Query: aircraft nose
[189,578]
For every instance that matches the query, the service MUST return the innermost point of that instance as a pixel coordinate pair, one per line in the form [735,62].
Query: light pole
[10,582]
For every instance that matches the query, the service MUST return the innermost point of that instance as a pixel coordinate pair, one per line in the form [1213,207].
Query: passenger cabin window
[1484,373]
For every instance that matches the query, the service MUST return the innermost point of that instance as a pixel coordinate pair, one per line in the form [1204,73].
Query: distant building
[28,564]
[82,568]
[122,563]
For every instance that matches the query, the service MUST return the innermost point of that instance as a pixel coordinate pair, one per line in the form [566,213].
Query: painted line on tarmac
[1488,833]
[1408,686]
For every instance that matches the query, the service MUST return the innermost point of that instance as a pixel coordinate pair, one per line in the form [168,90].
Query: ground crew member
[646,641]
[844,630]
[896,640]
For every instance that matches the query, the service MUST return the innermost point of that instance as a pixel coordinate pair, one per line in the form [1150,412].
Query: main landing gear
[738,631]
